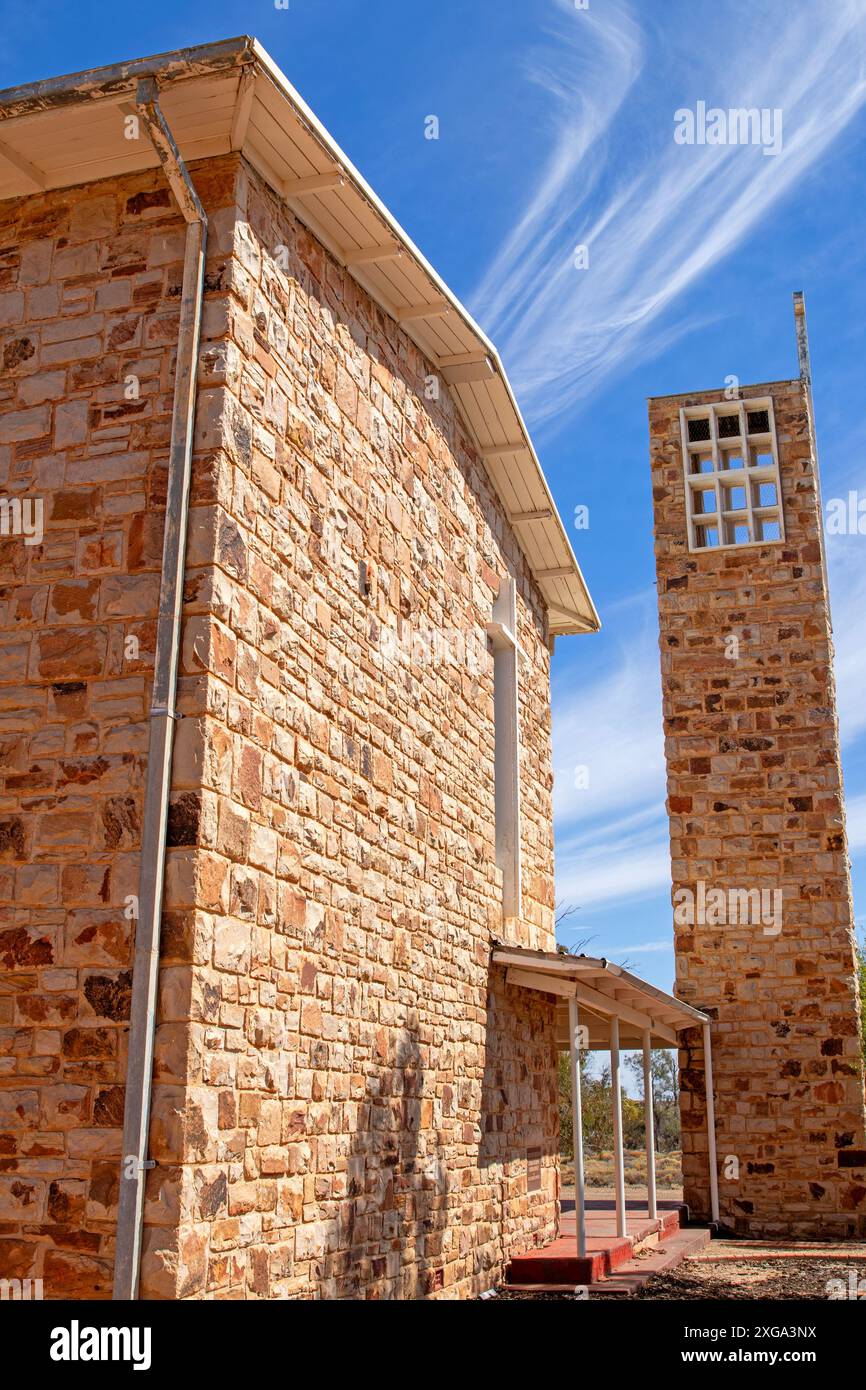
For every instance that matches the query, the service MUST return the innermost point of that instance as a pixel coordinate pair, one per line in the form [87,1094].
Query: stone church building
[281,578]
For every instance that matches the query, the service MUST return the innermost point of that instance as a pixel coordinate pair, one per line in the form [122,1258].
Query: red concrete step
[559,1263]
[668,1255]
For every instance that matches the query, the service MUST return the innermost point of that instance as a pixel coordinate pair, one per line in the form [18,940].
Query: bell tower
[763,913]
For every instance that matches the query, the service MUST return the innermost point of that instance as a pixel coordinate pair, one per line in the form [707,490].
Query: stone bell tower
[763,913]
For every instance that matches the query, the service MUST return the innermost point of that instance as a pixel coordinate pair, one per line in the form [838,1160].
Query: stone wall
[356,1108]
[755,802]
[342,1096]
[89,294]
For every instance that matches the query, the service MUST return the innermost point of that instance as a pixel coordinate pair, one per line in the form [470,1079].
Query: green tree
[665,1079]
[595,1106]
[596,1096]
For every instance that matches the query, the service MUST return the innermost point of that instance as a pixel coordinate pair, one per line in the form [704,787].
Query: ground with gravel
[750,1278]
[745,1270]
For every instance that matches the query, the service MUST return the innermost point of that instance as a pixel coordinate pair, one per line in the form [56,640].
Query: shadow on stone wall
[518,1111]
[493,1149]
[391,1226]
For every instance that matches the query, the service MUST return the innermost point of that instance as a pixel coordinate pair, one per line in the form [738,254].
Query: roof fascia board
[117,80]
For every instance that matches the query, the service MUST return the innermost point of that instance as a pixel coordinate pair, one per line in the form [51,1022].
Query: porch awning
[603,991]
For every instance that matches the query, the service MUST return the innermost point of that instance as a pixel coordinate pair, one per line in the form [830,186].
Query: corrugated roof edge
[187,64]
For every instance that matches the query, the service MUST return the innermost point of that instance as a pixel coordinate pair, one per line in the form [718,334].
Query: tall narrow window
[503,636]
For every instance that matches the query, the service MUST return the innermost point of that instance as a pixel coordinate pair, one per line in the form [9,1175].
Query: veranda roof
[602,990]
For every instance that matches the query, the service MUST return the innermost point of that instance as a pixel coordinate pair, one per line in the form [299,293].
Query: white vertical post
[577,1124]
[711,1124]
[616,1101]
[652,1209]
[506,752]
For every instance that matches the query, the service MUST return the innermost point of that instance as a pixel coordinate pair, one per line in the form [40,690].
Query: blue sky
[556,129]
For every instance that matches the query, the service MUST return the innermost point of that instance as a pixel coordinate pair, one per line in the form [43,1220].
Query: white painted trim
[715,481]
[243,107]
[504,451]
[469,371]
[314,183]
[543,964]
[577,1126]
[607,1004]
[565,989]
[30,172]
[616,1107]
[432,309]
[652,1206]
[371,255]
[711,1124]
[506,719]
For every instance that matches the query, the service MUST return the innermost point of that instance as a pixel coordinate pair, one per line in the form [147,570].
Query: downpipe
[145,975]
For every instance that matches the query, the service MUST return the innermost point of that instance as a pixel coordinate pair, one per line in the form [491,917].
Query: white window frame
[502,631]
[749,477]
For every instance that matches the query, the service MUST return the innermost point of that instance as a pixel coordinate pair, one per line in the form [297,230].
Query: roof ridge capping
[302,162]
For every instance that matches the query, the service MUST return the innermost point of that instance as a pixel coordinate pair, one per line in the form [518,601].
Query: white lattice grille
[731,463]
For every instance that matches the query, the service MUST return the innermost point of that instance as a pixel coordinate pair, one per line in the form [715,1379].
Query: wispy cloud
[608,747]
[614,864]
[612,836]
[667,212]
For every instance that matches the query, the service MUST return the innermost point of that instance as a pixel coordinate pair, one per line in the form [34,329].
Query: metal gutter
[145,977]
